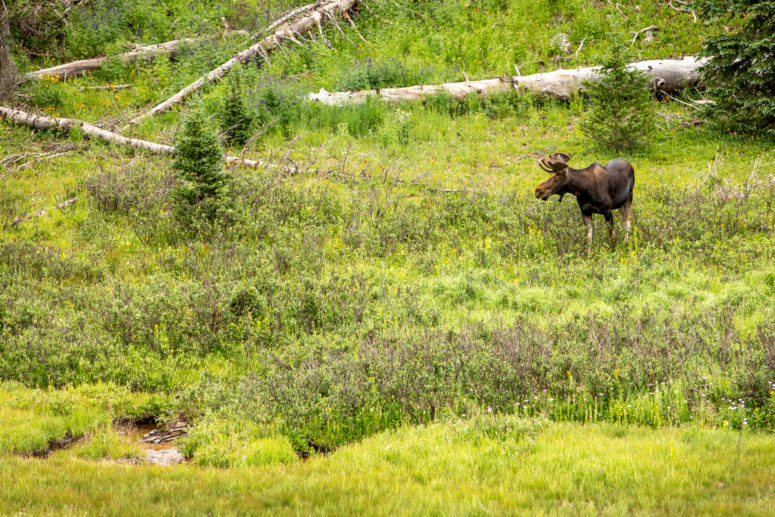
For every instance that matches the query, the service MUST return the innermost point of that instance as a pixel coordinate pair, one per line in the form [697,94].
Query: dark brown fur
[598,189]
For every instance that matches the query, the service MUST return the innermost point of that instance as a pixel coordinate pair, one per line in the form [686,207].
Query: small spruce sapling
[622,112]
[198,164]
[237,120]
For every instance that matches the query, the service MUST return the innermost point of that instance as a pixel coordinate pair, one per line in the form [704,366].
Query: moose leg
[588,224]
[609,218]
[626,214]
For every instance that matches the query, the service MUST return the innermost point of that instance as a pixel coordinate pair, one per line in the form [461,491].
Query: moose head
[557,164]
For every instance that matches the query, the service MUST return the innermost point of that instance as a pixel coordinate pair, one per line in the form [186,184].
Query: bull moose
[598,189]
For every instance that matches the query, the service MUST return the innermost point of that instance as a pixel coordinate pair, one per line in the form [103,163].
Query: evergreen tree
[740,73]
[236,118]
[621,112]
[198,163]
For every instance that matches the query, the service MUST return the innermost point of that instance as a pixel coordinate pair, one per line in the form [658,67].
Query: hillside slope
[395,269]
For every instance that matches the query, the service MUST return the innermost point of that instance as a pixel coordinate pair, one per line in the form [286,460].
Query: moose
[598,189]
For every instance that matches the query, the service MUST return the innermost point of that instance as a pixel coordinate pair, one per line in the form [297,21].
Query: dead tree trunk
[665,74]
[7,65]
[286,32]
[92,131]
[83,66]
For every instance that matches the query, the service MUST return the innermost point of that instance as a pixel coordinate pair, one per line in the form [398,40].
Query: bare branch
[643,30]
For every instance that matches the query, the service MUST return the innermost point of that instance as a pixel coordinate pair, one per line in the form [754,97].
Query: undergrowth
[394,268]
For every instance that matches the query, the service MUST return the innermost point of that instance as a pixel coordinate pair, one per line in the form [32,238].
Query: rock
[164,457]
[560,43]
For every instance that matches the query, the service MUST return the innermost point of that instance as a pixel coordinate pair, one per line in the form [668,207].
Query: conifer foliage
[621,113]
[740,73]
[236,118]
[198,164]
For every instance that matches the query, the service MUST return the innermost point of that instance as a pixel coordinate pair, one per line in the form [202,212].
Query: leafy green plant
[233,442]
[621,113]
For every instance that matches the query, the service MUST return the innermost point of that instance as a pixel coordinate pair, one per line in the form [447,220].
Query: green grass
[392,289]
[468,467]
[108,444]
[324,273]
[36,419]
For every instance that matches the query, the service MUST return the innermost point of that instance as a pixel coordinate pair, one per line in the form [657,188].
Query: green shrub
[279,107]
[47,94]
[236,118]
[497,105]
[233,442]
[198,164]
[621,113]
[740,72]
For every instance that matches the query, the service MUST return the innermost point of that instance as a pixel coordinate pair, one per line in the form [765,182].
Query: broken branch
[643,30]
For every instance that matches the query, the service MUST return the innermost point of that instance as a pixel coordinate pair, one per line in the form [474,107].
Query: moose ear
[562,157]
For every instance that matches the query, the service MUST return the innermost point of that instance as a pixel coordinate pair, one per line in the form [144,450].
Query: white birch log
[92,131]
[666,74]
[266,45]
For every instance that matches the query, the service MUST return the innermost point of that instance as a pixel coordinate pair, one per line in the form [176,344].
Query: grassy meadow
[388,300]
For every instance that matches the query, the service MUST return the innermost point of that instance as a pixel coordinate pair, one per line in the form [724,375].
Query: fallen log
[665,74]
[83,66]
[143,52]
[106,87]
[292,13]
[92,131]
[266,45]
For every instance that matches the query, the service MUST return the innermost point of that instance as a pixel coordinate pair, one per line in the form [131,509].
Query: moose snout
[542,195]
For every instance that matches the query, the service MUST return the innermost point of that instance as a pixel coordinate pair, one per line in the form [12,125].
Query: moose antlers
[555,162]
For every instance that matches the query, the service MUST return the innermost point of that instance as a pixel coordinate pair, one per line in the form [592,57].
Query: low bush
[223,443]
